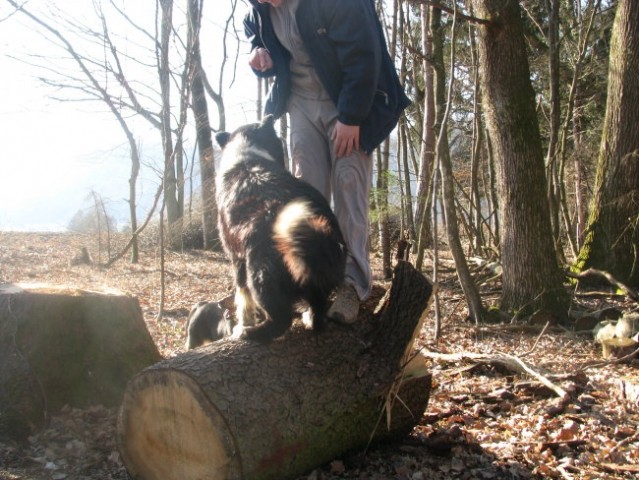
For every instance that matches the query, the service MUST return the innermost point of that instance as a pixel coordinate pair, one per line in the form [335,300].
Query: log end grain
[169,430]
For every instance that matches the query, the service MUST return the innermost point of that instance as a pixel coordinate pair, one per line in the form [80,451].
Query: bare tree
[442,150]
[428,140]
[202,126]
[90,85]
[124,81]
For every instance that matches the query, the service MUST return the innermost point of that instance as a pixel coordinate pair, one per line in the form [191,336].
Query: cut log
[22,401]
[62,345]
[238,410]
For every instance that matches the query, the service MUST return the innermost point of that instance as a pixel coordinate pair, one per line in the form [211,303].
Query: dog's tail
[311,244]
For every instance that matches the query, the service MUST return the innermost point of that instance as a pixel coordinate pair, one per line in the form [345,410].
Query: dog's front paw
[238,333]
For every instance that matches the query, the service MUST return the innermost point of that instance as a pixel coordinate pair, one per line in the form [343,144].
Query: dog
[280,234]
[208,322]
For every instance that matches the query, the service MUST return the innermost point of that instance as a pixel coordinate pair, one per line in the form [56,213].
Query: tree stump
[238,410]
[63,345]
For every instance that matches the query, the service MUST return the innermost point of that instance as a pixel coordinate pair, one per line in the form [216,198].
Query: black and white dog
[280,234]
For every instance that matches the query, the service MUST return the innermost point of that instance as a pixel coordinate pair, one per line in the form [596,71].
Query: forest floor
[484,420]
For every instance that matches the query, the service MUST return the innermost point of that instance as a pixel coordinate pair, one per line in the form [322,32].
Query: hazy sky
[53,154]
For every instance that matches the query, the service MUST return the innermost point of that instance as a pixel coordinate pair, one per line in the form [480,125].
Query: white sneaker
[346,305]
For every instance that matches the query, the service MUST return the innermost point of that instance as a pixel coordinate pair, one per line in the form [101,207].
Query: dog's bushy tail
[311,244]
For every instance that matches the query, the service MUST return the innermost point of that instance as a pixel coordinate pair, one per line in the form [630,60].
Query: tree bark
[552,163]
[532,279]
[62,346]
[428,141]
[203,128]
[612,236]
[237,410]
[443,104]
[170,180]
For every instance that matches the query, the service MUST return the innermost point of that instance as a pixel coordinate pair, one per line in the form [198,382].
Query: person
[335,78]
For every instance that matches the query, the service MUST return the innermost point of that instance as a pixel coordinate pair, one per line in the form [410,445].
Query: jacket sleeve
[353,30]
[252,32]
[252,29]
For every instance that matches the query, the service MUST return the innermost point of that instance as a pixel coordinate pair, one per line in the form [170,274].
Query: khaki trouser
[347,180]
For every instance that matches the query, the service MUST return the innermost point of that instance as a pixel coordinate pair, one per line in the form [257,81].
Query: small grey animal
[208,322]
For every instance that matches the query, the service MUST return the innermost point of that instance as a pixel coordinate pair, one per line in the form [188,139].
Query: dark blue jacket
[346,44]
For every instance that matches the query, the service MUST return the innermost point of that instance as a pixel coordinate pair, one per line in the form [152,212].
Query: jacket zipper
[384,94]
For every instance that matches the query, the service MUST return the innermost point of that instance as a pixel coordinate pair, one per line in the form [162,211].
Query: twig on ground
[511,362]
[541,334]
[614,361]
[593,272]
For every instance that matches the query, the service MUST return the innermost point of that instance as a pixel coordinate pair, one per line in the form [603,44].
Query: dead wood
[65,346]
[593,272]
[510,362]
[239,410]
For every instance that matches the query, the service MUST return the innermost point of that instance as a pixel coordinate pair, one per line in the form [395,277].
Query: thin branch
[593,272]
[453,11]
[511,362]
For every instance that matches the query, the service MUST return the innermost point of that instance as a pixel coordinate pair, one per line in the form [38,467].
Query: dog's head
[252,140]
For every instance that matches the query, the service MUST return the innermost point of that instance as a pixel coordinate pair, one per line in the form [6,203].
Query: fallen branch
[616,468]
[597,364]
[593,272]
[510,362]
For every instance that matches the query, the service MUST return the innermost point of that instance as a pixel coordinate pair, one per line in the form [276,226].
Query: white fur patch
[238,150]
[244,307]
[307,319]
[288,220]
[290,216]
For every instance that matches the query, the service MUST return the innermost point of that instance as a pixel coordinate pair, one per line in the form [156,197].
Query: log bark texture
[62,345]
[238,410]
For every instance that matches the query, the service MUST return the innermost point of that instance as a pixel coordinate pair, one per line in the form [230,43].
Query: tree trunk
[531,277]
[552,163]
[203,129]
[475,204]
[62,346]
[170,180]
[443,101]
[428,140]
[612,235]
[237,410]
[381,207]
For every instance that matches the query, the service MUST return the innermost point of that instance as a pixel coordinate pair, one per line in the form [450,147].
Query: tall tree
[580,39]
[202,126]
[532,279]
[612,235]
[442,150]
[555,115]
[428,139]
[174,211]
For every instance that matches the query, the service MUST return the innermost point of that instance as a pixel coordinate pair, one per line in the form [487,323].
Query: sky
[53,154]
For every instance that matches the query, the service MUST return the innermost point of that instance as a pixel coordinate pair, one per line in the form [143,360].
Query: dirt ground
[485,420]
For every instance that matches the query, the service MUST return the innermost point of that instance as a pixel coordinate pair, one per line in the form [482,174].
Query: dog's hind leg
[318,307]
[277,305]
[244,304]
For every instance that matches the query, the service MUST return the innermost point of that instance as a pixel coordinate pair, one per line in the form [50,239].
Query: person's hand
[261,60]
[345,138]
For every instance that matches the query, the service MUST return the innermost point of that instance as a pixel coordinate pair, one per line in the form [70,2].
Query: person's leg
[351,182]
[309,143]
[348,179]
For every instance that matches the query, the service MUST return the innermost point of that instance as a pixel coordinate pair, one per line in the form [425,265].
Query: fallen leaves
[483,421]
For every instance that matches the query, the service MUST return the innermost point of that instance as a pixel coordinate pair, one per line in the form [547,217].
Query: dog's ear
[222,138]
[268,121]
